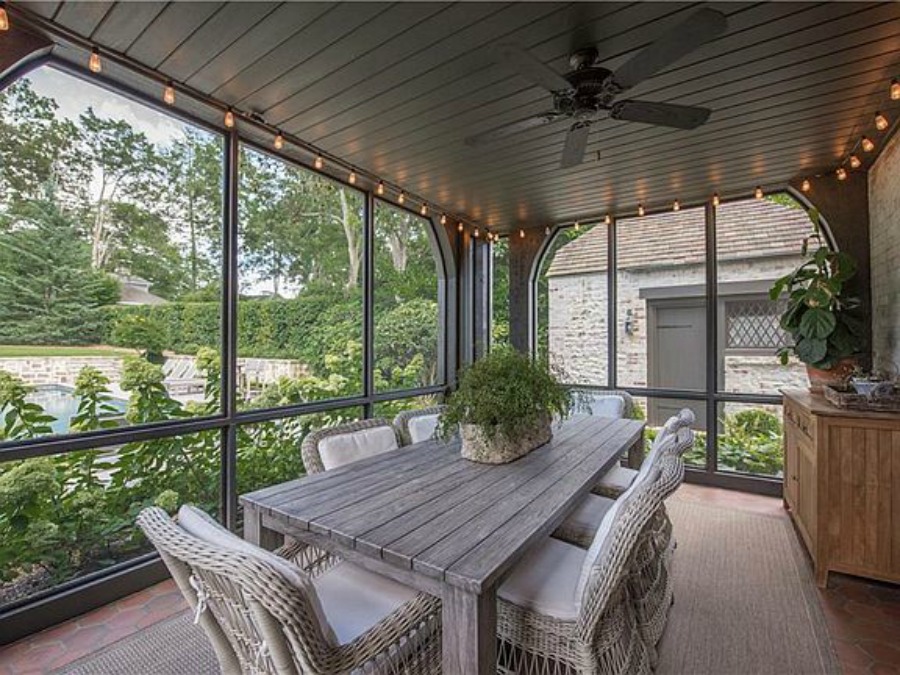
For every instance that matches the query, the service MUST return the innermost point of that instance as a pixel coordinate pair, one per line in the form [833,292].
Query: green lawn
[14,351]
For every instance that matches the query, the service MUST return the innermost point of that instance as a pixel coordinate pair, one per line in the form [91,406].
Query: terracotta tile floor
[863,617]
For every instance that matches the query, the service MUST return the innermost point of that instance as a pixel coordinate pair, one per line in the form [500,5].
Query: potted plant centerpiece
[819,316]
[503,407]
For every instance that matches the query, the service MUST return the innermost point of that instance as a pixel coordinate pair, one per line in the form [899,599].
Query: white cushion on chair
[545,581]
[619,478]
[421,428]
[589,513]
[355,599]
[343,449]
[199,524]
[607,406]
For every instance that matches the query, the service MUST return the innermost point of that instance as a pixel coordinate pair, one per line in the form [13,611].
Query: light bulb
[319,163]
[806,186]
[94,61]
[4,19]
[758,193]
[460,227]
[867,144]
[577,226]
[169,94]
[881,122]
[895,90]
[380,188]
[279,141]
[521,234]
[676,205]
[443,219]
[401,197]
[476,233]
[841,173]
[547,230]
[855,162]
[423,210]
[608,219]
[229,119]
[715,199]
[352,178]
[640,209]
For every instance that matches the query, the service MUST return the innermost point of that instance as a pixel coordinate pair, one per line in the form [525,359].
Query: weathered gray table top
[426,509]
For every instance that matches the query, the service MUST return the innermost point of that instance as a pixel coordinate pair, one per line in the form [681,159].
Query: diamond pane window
[753,324]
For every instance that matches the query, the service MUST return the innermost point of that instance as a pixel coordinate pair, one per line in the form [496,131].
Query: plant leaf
[817,323]
[811,350]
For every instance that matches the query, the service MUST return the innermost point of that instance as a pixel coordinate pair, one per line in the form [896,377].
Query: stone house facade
[661,272]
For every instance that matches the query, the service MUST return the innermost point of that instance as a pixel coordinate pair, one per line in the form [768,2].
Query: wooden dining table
[424,516]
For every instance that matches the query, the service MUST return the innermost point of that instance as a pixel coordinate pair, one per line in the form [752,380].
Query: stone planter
[500,450]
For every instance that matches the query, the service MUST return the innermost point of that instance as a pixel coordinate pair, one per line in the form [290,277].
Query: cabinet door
[790,466]
[806,491]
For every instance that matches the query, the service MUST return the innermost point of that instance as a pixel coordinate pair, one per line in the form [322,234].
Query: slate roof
[744,229]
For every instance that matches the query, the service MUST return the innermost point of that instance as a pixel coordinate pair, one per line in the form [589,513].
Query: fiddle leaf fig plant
[505,394]
[819,315]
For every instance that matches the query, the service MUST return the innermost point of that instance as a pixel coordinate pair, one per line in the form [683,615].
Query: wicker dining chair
[615,481]
[415,426]
[334,446]
[565,610]
[264,614]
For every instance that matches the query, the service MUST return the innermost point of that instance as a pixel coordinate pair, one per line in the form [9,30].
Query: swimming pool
[59,401]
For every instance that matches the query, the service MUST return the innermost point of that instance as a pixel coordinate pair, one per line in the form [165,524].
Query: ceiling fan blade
[661,114]
[576,143]
[699,28]
[512,128]
[531,68]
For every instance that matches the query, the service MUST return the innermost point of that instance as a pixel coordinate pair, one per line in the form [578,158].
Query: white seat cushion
[545,581]
[200,525]
[607,406]
[589,513]
[619,478]
[343,449]
[421,428]
[355,599]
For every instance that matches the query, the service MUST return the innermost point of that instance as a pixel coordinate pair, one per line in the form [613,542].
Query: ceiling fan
[589,90]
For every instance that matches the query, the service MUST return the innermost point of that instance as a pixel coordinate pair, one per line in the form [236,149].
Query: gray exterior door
[676,356]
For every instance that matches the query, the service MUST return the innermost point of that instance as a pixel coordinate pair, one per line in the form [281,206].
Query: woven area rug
[746,604]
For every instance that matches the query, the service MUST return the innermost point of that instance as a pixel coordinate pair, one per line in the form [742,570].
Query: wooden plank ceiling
[396,87]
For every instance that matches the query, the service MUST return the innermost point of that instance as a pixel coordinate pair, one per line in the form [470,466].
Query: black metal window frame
[77,595]
[713,394]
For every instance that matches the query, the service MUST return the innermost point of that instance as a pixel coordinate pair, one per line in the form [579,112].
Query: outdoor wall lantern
[630,325]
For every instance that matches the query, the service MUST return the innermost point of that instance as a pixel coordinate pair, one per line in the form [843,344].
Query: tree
[48,292]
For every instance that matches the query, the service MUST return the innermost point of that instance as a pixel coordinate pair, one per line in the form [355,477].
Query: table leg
[256,533]
[469,632]
[636,453]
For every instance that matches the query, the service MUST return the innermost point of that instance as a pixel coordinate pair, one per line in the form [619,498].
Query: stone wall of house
[577,330]
[884,228]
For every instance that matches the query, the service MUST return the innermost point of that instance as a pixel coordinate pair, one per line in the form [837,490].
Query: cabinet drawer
[799,420]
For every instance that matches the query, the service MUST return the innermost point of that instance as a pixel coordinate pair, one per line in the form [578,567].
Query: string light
[352,178]
[676,205]
[806,186]
[521,234]
[895,90]
[443,219]
[279,141]
[380,188]
[401,197]
[169,94]
[423,210]
[94,62]
[715,199]
[855,162]
[547,230]
[881,122]
[229,118]
[867,144]
[577,226]
[758,193]
[319,163]
[841,173]
[4,20]
[460,227]
[608,219]
[640,209]
[476,233]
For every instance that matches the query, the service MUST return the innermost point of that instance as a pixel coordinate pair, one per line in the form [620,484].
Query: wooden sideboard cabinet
[842,486]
